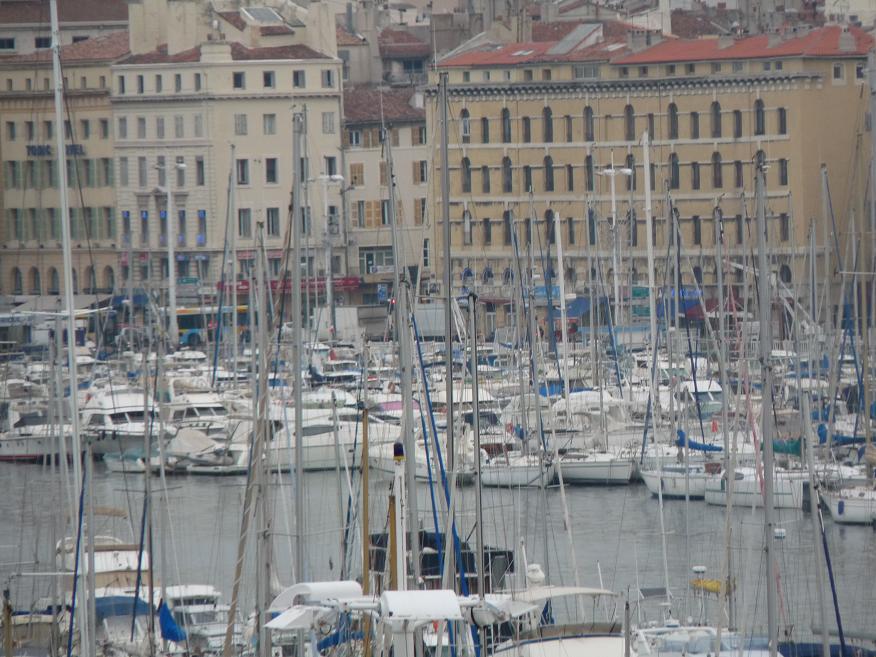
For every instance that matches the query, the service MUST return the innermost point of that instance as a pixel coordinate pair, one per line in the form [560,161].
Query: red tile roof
[690,24]
[821,42]
[346,38]
[107,47]
[534,52]
[557,30]
[239,53]
[275,30]
[234,18]
[69,11]
[369,104]
[401,44]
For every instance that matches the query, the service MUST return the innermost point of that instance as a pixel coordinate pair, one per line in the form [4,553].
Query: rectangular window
[197,81]
[158,84]
[177,82]
[48,130]
[199,125]
[242,168]
[160,165]
[84,129]
[354,137]
[328,123]
[141,85]
[142,173]
[716,67]
[238,80]
[783,172]
[106,172]
[240,124]
[141,127]
[10,130]
[12,175]
[697,230]
[384,213]
[268,80]
[7,44]
[299,80]
[244,222]
[331,166]
[123,171]
[272,216]
[180,171]
[200,175]
[123,127]
[30,130]
[271,170]
[690,69]
[120,84]
[201,239]
[104,128]
[357,174]
[159,127]
[269,124]
[737,67]
[328,78]
[359,210]
[738,176]
[178,127]
[785,227]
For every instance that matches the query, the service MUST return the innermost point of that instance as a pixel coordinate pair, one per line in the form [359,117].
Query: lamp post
[172,325]
[329,281]
[612,173]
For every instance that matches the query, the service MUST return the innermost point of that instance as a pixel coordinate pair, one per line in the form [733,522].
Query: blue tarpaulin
[169,629]
[692,444]
[118,605]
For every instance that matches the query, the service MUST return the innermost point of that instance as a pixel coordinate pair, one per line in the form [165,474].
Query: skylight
[262,15]
[522,53]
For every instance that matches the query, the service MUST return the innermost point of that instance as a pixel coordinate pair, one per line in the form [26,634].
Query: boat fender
[841,507]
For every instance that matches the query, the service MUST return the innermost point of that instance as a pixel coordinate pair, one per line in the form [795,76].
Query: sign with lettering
[45,150]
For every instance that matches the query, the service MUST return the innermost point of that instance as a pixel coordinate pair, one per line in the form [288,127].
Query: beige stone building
[366,111]
[535,126]
[30,254]
[205,109]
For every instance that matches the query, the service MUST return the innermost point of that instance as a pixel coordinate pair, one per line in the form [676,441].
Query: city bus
[197,324]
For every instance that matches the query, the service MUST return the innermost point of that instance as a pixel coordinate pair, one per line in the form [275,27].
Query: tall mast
[297,135]
[233,262]
[767,428]
[86,641]
[448,320]
[476,427]
[403,336]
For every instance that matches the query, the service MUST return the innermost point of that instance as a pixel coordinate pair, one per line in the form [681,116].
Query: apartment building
[30,244]
[206,115]
[368,111]
[538,128]
[24,24]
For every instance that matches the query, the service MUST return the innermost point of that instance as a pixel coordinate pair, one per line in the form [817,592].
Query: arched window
[526,129]
[589,132]
[485,130]
[465,170]
[17,281]
[507,177]
[717,176]
[507,227]
[759,160]
[782,121]
[550,228]
[716,119]
[694,125]
[547,122]
[487,230]
[109,279]
[629,123]
[588,172]
[570,131]
[487,275]
[465,126]
[508,276]
[548,174]
[506,126]
[485,179]
[631,178]
[759,118]
[54,282]
[34,280]
[695,175]
[785,274]
[674,177]
[466,227]
[90,280]
[672,120]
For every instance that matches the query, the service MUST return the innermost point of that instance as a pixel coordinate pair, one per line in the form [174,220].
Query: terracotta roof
[690,25]
[821,42]
[234,18]
[347,38]
[553,31]
[275,30]
[69,11]
[104,48]
[399,43]
[515,54]
[368,104]
[239,53]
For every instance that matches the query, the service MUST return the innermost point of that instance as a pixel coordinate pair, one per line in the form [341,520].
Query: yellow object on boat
[715,586]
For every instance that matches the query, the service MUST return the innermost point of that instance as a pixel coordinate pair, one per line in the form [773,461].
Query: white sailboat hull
[675,484]
[597,469]
[852,506]
[516,473]
[33,447]
[787,492]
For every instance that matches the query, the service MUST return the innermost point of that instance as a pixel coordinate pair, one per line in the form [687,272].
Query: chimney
[846,41]
[351,28]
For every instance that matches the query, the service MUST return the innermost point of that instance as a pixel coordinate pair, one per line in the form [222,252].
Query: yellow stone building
[536,127]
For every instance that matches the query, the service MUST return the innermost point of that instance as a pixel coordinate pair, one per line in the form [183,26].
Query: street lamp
[612,173]
[329,281]
[172,327]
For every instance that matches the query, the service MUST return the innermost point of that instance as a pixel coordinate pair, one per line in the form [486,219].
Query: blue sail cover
[169,629]
[108,606]
[692,444]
